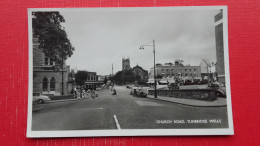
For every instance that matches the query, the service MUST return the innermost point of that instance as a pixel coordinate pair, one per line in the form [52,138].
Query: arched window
[45,84]
[52,84]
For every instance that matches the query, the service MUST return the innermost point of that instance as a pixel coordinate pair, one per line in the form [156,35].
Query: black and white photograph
[141,71]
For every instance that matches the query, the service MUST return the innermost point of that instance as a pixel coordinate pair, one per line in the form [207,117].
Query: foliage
[179,62]
[126,76]
[169,63]
[81,77]
[105,80]
[158,64]
[52,36]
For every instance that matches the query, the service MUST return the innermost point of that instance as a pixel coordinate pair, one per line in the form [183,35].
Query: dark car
[187,82]
[128,87]
[220,89]
[138,92]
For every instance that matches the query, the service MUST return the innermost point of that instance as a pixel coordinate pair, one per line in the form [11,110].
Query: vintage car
[219,88]
[40,99]
[138,92]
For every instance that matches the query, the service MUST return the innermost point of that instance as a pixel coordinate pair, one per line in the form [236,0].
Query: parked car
[220,88]
[40,99]
[140,93]
[128,87]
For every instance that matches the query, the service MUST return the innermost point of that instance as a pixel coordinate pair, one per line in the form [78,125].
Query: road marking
[117,124]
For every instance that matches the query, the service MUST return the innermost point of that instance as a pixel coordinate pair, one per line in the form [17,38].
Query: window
[172,70]
[162,70]
[185,69]
[190,69]
[52,84]
[51,61]
[45,84]
[46,61]
[194,69]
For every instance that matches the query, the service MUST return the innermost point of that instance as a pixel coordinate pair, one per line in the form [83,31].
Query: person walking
[135,93]
[93,94]
[114,93]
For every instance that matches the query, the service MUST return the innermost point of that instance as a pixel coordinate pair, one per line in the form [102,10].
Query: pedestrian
[114,93]
[93,94]
[135,93]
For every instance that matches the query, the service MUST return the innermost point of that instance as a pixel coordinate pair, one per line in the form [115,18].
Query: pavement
[193,102]
[37,107]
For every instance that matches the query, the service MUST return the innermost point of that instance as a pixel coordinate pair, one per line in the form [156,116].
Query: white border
[131,132]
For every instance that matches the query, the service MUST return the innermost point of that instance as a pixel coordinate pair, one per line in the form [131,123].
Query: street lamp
[154,76]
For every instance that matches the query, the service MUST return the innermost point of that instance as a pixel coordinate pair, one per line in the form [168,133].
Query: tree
[118,77]
[105,80]
[158,64]
[128,76]
[52,36]
[80,79]
[179,62]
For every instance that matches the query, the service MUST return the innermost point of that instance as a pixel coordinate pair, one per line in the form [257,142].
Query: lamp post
[154,76]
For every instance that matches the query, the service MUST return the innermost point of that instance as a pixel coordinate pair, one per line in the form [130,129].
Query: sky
[102,37]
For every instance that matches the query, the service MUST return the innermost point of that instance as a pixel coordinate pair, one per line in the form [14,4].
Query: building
[175,70]
[139,71]
[47,78]
[126,64]
[220,65]
[93,81]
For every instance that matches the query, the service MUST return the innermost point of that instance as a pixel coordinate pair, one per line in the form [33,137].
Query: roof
[137,66]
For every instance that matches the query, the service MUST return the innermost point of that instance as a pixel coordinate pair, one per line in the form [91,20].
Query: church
[47,79]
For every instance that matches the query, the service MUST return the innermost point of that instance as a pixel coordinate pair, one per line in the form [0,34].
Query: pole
[62,90]
[154,76]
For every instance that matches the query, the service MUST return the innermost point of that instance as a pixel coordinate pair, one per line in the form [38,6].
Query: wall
[200,94]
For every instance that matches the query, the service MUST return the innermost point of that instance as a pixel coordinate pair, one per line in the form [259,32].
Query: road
[125,112]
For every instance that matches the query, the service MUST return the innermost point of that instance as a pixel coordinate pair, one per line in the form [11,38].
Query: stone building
[47,79]
[138,70]
[220,66]
[126,64]
[171,71]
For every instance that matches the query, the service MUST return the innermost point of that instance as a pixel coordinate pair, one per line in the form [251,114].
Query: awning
[163,81]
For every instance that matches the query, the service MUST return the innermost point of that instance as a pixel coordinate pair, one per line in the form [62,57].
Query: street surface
[126,112]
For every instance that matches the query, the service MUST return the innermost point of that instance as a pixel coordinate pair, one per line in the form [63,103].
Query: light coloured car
[219,88]
[40,99]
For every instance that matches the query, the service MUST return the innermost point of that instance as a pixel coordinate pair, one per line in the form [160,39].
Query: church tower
[126,64]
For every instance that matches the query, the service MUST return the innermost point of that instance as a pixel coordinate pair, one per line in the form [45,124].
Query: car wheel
[40,101]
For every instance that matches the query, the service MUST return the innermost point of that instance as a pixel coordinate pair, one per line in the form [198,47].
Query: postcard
[134,71]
